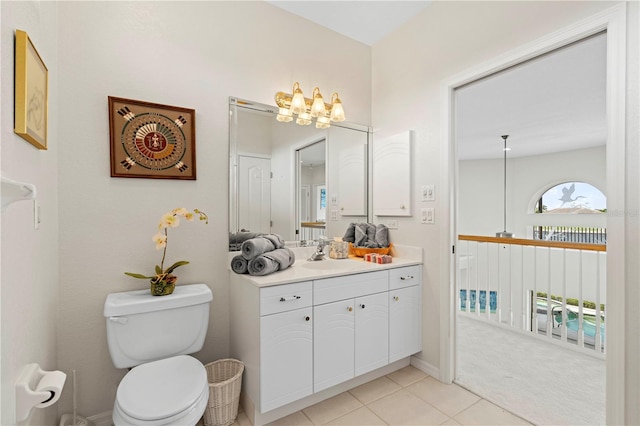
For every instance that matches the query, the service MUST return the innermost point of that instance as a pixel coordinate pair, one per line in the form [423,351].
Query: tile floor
[404,397]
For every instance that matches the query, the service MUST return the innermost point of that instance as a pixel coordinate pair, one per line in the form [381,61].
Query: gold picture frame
[151,140]
[31,93]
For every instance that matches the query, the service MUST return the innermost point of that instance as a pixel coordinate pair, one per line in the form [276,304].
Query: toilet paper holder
[37,388]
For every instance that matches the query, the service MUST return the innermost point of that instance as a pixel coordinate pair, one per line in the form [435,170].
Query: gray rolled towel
[360,234]
[239,264]
[242,236]
[382,235]
[254,247]
[270,262]
[371,232]
[350,234]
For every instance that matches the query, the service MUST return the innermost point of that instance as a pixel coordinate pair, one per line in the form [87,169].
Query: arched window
[572,198]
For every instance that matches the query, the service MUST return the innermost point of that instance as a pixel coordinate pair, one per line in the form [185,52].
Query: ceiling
[364,21]
[556,102]
[553,103]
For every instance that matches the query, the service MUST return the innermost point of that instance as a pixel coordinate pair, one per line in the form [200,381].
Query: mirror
[296,181]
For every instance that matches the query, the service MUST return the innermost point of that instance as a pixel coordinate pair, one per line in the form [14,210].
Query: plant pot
[163,287]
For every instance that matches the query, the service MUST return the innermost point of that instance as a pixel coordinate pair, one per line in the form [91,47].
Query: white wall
[190,54]
[409,71]
[480,196]
[29,256]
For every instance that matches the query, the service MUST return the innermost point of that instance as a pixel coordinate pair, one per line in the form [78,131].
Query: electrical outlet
[391,223]
[427,215]
[428,193]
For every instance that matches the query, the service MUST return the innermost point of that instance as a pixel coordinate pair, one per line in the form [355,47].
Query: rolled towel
[239,264]
[350,234]
[268,263]
[242,236]
[371,232]
[360,234]
[382,235]
[256,246]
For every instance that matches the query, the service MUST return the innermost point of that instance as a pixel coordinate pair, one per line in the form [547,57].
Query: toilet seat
[166,392]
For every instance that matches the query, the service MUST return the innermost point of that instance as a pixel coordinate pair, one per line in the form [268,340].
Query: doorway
[611,21]
[310,179]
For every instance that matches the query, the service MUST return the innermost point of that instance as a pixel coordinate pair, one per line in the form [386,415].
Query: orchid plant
[169,220]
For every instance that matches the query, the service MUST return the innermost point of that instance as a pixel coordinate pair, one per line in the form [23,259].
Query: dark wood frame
[134,124]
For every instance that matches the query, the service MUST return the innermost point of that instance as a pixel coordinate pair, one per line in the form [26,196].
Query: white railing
[536,287]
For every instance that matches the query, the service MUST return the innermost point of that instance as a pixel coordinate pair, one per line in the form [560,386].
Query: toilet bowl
[153,336]
[172,391]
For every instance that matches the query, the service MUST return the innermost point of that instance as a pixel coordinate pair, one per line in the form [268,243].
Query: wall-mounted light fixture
[307,109]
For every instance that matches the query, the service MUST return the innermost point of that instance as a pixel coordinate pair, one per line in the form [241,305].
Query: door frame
[613,21]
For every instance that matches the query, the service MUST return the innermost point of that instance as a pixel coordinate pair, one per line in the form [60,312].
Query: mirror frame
[234,103]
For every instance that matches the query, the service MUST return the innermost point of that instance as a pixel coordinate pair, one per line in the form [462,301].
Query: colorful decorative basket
[361,251]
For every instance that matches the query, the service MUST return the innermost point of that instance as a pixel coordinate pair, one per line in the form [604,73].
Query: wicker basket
[361,251]
[225,382]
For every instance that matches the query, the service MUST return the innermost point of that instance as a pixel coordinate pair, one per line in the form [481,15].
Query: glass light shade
[284,118]
[304,119]
[284,115]
[298,104]
[317,108]
[337,112]
[323,122]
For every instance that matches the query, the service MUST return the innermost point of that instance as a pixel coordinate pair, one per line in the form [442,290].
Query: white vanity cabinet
[348,340]
[405,313]
[302,342]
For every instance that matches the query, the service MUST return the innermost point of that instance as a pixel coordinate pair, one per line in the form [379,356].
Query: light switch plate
[391,223]
[428,193]
[427,215]
[334,214]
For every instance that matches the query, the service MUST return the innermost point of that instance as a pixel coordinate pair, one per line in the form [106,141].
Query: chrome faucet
[319,254]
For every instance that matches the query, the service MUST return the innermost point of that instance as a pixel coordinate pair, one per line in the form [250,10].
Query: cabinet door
[286,358]
[372,332]
[405,322]
[333,344]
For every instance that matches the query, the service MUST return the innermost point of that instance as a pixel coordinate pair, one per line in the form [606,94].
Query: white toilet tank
[142,328]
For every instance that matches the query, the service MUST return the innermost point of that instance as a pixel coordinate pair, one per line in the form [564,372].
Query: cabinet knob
[396,298]
[307,318]
[408,277]
[350,308]
[362,305]
[402,206]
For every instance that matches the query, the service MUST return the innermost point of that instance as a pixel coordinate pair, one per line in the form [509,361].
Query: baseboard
[101,419]
[425,367]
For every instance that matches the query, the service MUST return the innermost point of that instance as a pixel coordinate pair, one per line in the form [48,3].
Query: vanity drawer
[405,277]
[349,286]
[286,297]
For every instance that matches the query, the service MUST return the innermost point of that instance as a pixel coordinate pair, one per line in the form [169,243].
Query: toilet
[154,335]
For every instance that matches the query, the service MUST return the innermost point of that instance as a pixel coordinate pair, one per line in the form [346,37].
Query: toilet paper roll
[52,383]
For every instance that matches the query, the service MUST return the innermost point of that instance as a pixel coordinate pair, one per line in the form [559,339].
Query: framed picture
[31,95]
[151,140]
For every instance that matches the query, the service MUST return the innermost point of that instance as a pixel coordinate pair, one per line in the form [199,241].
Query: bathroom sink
[331,265]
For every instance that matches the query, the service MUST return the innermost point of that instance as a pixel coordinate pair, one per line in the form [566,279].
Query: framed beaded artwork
[151,140]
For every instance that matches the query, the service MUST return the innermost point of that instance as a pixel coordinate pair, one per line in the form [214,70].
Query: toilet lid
[163,388]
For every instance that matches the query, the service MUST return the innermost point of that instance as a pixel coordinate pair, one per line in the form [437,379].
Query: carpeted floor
[539,381]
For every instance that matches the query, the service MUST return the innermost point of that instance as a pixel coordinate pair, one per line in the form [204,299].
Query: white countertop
[306,270]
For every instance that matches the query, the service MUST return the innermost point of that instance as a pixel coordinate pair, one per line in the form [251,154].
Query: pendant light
[504,233]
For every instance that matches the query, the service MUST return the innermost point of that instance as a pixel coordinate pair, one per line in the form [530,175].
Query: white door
[333,344]
[405,328]
[286,363]
[254,194]
[372,332]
